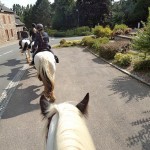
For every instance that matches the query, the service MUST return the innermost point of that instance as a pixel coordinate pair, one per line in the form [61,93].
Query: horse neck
[52,133]
[72,130]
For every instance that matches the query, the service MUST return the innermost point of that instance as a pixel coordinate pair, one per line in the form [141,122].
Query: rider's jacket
[24,34]
[41,41]
[33,34]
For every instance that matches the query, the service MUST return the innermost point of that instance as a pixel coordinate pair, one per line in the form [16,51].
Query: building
[19,26]
[10,26]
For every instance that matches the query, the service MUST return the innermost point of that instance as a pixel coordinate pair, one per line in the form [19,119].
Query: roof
[18,22]
[5,9]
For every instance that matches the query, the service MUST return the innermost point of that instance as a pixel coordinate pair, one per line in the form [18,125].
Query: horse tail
[25,46]
[46,74]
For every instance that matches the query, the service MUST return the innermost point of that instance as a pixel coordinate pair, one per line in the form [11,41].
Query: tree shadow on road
[22,101]
[143,136]
[130,88]
[17,66]
[12,62]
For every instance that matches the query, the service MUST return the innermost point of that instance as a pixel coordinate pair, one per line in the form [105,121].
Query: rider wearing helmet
[24,35]
[42,42]
[33,31]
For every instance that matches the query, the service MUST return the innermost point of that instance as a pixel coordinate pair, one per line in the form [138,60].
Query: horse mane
[66,128]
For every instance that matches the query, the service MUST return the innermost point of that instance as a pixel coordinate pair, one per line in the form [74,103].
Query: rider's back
[24,34]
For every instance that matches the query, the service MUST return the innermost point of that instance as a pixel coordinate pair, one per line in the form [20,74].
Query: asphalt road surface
[119,112]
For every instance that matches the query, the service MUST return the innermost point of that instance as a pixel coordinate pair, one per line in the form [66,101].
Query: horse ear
[82,106]
[44,104]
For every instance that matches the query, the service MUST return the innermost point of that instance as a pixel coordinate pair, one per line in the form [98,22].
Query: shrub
[119,29]
[63,41]
[142,65]
[87,41]
[109,50]
[81,30]
[100,31]
[122,60]
[70,33]
[60,34]
[51,32]
[98,42]
[86,33]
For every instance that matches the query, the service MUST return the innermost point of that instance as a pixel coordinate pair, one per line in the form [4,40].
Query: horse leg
[29,54]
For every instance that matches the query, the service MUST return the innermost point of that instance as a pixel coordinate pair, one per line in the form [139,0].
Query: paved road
[119,112]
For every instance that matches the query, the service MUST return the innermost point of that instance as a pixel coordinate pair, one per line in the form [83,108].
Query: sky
[9,3]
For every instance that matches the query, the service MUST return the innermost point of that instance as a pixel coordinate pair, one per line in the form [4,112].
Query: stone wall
[8,30]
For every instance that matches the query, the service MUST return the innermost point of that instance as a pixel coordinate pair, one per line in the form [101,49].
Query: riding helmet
[33,25]
[24,29]
[39,27]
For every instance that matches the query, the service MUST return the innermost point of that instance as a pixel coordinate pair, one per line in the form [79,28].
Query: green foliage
[60,34]
[123,60]
[142,41]
[142,65]
[87,40]
[94,43]
[92,12]
[109,50]
[63,41]
[41,12]
[98,42]
[51,32]
[120,29]
[130,12]
[81,30]
[100,31]
[64,15]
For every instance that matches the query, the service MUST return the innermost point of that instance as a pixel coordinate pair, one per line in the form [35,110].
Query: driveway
[119,112]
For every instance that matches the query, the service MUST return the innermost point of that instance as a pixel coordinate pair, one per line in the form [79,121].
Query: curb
[122,70]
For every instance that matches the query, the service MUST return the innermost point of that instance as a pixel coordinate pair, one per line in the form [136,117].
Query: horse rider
[24,35]
[33,32]
[42,43]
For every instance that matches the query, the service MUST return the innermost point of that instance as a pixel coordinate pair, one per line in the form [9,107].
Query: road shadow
[22,101]
[17,64]
[142,137]
[12,62]
[129,88]
[96,59]
[99,61]
[10,76]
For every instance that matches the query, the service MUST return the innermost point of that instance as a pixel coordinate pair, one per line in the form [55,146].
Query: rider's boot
[56,59]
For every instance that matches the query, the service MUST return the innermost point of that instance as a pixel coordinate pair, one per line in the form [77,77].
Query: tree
[142,41]
[93,12]
[63,14]
[27,16]
[130,12]
[41,12]
[19,10]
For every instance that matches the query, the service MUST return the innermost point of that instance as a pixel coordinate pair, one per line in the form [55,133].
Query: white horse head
[46,67]
[67,129]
